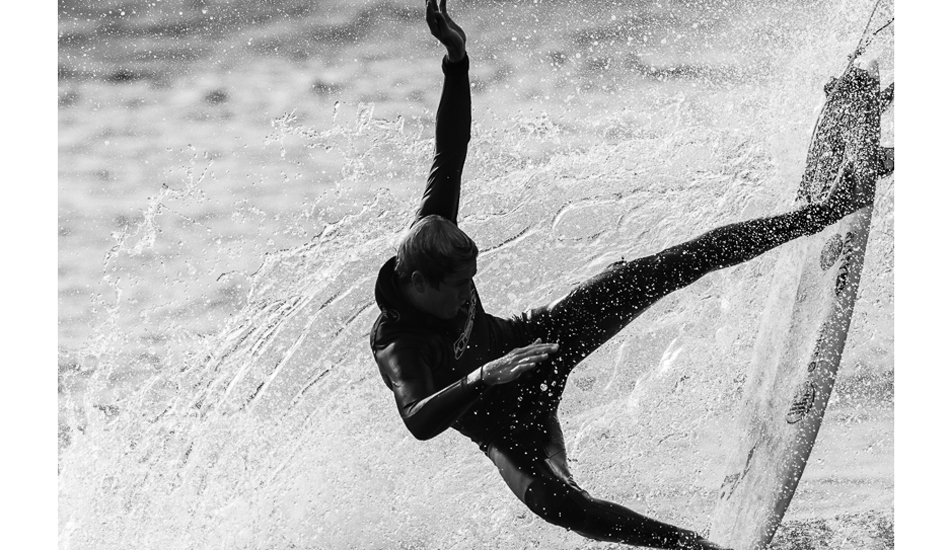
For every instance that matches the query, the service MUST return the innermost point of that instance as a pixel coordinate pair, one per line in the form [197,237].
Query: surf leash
[862,45]
[867,37]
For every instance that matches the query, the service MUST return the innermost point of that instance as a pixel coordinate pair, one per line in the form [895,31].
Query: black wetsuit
[430,364]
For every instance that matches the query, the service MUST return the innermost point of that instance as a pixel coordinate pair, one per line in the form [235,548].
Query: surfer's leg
[599,308]
[533,462]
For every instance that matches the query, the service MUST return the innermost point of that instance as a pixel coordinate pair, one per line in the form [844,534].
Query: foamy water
[232,176]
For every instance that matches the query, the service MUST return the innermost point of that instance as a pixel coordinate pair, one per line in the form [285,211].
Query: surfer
[498,380]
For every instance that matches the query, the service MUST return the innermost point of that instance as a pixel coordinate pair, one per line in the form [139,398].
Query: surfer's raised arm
[453,120]
[429,282]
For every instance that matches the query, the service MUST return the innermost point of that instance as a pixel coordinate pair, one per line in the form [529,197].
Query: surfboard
[805,326]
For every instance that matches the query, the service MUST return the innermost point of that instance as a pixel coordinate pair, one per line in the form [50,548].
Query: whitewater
[233,174]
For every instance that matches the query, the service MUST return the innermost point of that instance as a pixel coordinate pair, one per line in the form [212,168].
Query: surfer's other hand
[518,361]
[445,30]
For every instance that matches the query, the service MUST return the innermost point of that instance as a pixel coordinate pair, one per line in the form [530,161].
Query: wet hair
[435,247]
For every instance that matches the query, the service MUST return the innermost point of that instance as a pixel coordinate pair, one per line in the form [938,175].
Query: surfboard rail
[802,337]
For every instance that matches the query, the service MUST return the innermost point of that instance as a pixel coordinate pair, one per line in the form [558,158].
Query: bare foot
[848,195]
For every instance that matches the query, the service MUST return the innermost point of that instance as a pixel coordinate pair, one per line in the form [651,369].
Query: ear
[419,283]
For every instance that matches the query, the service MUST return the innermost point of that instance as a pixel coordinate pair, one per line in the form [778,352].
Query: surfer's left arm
[426,411]
[453,121]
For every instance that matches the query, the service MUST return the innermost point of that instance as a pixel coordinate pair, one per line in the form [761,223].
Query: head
[435,264]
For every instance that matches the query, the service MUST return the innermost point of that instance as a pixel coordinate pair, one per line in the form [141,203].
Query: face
[453,293]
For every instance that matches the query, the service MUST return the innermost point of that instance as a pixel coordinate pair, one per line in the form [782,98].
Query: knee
[557,503]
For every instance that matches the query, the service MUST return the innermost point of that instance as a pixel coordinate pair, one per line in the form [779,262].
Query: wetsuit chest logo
[462,343]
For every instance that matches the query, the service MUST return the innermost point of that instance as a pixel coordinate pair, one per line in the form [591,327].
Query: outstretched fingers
[516,362]
[434,19]
[535,352]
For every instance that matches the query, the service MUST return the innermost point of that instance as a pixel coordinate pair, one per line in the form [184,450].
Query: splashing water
[216,385]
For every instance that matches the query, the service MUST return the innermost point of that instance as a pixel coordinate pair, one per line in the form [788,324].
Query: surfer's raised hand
[442,27]
[516,362]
